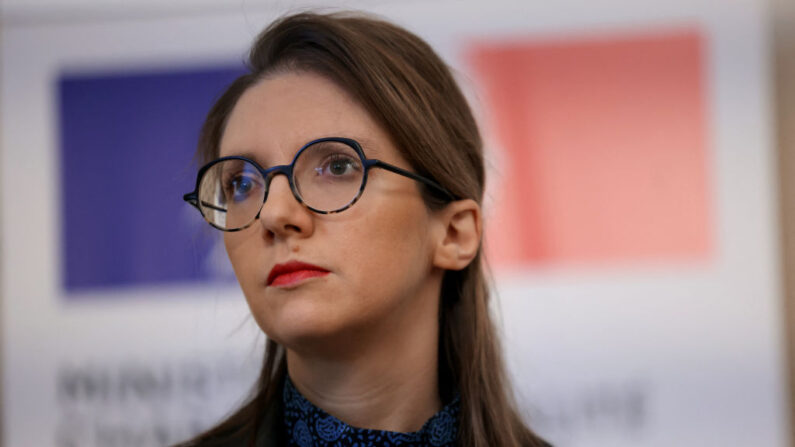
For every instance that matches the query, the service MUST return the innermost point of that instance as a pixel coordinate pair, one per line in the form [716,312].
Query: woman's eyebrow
[371,148]
[251,156]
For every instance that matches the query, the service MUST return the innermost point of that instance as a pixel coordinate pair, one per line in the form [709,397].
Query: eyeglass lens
[327,177]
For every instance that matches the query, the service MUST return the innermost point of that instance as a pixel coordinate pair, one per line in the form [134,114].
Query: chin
[300,325]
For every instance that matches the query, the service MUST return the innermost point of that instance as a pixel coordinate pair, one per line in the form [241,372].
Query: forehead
[281,113]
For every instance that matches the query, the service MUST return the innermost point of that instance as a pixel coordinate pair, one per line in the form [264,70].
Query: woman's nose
[282,215]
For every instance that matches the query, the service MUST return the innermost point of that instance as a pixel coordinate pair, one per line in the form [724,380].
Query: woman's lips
[293,272]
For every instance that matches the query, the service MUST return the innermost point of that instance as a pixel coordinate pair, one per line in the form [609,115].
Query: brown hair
[409,90]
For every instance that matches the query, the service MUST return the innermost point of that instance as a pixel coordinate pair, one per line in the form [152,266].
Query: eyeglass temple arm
[192,198]
[411,175]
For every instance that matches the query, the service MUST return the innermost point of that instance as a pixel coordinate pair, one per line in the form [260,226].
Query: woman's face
[378,253]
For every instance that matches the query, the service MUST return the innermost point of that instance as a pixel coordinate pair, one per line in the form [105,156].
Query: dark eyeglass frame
[287,170]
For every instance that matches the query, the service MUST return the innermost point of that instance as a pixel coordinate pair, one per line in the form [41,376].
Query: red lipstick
[293,272]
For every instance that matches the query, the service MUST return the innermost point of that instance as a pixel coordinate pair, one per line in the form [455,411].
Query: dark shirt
[309,426]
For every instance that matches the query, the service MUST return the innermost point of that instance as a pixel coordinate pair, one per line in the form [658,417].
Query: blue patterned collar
[309,426]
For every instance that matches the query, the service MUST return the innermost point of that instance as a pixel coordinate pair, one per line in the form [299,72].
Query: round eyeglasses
[327,175]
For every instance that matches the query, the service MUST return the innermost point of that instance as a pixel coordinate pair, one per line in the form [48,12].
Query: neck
[387,380]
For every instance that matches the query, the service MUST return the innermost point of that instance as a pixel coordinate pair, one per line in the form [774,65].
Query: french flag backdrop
[630,220]
[605,146]
[127,142]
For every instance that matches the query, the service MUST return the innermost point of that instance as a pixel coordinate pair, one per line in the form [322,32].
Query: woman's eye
[239,188]
[338,165]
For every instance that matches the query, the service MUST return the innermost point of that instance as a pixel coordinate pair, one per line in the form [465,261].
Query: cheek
[247,256]
[389,252]
[240,251]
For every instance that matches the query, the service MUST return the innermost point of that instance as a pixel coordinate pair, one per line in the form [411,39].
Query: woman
[346,170]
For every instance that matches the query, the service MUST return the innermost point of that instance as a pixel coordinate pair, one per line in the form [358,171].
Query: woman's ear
[461,232]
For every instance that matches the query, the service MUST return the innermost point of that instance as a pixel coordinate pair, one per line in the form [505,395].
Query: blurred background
[638,214]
